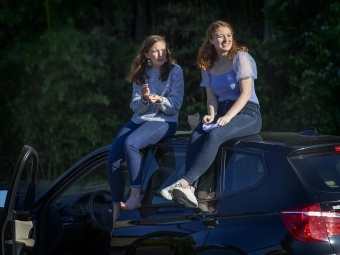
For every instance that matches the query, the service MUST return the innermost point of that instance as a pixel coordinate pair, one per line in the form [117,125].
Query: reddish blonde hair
[207,54]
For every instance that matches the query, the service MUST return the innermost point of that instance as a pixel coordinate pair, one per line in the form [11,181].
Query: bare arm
[212,105]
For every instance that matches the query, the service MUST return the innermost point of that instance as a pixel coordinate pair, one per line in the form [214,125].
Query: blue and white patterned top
[171,91]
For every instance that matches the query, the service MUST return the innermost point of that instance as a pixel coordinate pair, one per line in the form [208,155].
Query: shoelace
[176,184]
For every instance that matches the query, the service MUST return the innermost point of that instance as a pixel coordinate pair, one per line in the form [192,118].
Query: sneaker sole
[180,197]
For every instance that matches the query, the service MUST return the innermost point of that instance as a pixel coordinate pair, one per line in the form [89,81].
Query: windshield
[95,180]
[320,171]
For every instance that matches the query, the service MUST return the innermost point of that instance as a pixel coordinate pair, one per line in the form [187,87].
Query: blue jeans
[203,146]
[129,140]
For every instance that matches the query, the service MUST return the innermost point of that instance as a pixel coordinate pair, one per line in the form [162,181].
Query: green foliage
[184,25]
[57,98]
[64,63]
[64,90]
[185,38]
[305,79]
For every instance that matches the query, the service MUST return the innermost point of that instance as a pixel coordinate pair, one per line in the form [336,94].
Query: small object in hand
[209,126]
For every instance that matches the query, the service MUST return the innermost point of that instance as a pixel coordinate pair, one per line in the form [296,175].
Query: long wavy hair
[207,53]
[137,72]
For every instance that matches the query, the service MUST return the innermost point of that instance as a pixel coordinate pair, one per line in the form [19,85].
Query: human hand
[145,91]
[208,119]
[222,121]
[153,98]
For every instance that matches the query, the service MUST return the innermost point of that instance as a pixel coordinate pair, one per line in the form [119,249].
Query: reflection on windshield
[95,180]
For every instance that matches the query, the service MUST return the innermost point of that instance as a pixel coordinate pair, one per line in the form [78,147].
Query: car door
[15,221]
[163,226]
[243,223]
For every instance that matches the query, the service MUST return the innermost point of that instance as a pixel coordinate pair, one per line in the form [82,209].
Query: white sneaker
[167,192]
[185,197]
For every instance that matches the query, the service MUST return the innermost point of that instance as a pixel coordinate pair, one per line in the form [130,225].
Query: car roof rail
[311,131]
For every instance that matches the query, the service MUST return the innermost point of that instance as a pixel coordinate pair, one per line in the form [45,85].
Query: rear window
[321,171]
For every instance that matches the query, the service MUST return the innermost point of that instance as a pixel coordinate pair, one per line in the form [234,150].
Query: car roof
[285,141]
[297,139]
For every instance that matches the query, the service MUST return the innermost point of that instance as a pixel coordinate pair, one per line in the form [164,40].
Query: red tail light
[337,148]
[310,224]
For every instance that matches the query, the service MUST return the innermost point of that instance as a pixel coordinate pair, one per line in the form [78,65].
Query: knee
[130,144]
[214,137]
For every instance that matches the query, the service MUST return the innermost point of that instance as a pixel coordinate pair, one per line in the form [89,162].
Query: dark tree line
[63,66]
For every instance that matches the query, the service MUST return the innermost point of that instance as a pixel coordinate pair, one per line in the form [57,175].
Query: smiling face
[157,54]
[222,39]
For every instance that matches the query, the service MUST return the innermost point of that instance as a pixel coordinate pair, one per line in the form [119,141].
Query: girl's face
[157,54]
[222,39]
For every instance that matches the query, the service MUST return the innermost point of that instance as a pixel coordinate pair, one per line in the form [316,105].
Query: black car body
[269,194]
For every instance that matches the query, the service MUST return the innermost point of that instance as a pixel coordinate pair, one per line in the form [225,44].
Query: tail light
[310,224]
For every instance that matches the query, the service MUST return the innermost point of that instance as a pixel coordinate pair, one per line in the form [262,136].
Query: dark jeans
[129,140]
[203,146]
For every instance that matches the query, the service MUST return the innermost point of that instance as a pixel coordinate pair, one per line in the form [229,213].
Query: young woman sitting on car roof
[228,73]
[158,90]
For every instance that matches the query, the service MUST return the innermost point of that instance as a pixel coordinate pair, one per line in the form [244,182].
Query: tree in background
[64,64]
[301,63]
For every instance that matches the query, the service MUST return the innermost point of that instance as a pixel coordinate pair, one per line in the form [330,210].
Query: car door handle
[210,223]
[199,215]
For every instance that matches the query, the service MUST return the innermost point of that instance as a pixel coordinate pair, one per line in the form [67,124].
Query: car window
[243,171]
[163,166]
[321,172]
[25,178]
[207,188]
[3,195]
[96,179]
